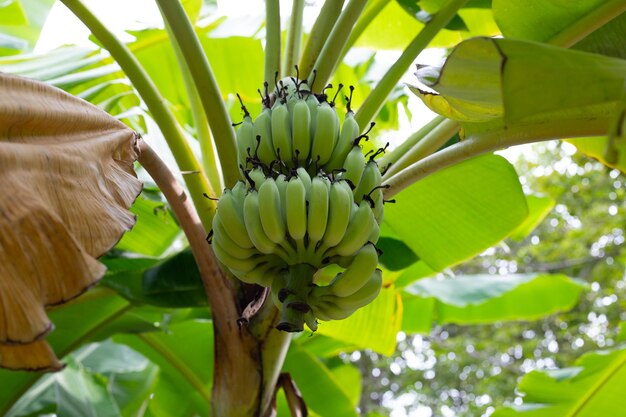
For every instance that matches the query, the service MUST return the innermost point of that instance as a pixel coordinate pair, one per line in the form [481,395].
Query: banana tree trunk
[248,360]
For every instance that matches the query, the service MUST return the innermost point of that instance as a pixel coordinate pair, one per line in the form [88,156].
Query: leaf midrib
[178,364]
[616,366]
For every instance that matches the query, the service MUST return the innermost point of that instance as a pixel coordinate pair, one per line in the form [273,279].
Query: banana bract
[308,200]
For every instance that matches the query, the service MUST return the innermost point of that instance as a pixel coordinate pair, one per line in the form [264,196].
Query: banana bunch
[309,199]
[296,128]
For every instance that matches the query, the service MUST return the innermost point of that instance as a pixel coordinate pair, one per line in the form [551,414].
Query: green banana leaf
[542,20]
[538,208]
[458,212]
[96,309]
[155,230]
[593,387]
[607,40]
[21,22]
[100,379]
[319,386]
[184,354]
[372,327]
[173,282]
[479,299]
[102,314]
[399,27]
[12,13]
[518,81]
[82,72]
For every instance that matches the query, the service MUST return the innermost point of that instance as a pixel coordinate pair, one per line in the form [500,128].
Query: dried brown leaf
[66,182]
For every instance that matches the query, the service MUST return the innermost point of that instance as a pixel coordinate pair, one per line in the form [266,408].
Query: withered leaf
[66,183]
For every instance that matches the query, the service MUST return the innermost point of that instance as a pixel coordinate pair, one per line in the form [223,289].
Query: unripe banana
[270,209]
[263,274]
[306,180]
[362,224]
[370,179]
[374,234]
[281,132]
[310,321]
[362,297]
[252,219]
[257,176]
[354,277]
[281,184]
[350,130]
[318,210]
[313,105]
[295,94]
[326,134]
[379,210]
[239,192]
[328,310]
[339,210]
[296,208]
[230,211]
[246,142]
[263,129]
[354,165]
[243,265]
[221,236]
[301,131]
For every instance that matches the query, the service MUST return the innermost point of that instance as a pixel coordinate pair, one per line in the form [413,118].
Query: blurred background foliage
[471,370]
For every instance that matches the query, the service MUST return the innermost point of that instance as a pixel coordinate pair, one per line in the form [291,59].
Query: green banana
[252,219]
[339,210]
[230,211]
[350,130]
[354,277]
[362,297]
[306,179]
[301,132]
[281,184]
[263,130]
[328,310]
[257,176]
[270,208]
[239,192]
[361,227]
[374,233]
[296,208]
[224,240]
[313,104]
[243,265]
[326,134]
[378,209]
[263,274]
[310,321]
[318,210]
[281,132]
[354,165]
[370,179]
[246,142]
